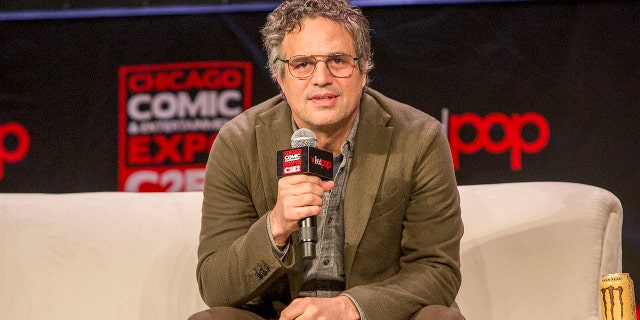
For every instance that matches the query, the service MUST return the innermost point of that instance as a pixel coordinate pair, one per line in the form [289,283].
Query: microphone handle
[308,237]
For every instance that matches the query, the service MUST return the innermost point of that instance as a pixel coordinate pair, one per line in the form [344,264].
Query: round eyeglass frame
[314,56]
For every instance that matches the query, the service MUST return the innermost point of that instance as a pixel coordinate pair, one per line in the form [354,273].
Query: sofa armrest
[537,250]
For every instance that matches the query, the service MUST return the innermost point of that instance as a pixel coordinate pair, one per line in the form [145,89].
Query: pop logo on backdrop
[15,143]
[511,138]
[169,116]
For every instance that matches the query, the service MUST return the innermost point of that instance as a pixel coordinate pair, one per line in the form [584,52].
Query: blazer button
[263,271]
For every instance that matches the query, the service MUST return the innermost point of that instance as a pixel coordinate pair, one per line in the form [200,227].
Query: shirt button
[326,261]
[330,220]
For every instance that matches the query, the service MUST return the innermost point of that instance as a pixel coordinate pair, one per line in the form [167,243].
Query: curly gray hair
[289,16]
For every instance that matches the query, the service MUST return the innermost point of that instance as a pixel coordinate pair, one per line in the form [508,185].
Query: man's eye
[299,65]
[339,60]
[302,64]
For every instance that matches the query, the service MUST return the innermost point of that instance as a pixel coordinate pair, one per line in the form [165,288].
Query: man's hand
[299,196]
[337,308]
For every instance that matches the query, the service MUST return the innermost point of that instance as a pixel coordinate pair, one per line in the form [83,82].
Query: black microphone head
[303,138]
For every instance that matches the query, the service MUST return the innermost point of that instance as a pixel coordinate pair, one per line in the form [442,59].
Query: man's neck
[330,138]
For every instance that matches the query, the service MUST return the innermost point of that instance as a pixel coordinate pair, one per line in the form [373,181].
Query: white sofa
[530,251]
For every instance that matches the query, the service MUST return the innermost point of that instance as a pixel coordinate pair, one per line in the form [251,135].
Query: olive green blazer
[401,212]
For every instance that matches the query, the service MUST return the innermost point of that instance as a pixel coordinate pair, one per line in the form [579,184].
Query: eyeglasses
[339,65]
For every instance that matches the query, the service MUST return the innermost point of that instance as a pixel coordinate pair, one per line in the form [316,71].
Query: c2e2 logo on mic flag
[169,115]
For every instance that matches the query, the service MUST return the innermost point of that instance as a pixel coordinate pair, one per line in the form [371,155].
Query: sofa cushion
[103,255]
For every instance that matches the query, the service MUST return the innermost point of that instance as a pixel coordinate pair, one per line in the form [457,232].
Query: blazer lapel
[370,155]
[273,133]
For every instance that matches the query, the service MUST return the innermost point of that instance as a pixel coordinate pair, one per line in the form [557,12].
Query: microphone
[303,157]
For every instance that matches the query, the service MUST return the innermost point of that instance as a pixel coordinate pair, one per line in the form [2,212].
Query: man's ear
[279,80]
[364,77]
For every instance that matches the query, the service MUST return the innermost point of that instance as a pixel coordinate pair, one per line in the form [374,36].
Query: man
[389,223]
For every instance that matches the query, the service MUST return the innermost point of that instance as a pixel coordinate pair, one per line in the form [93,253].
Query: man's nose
[322,75]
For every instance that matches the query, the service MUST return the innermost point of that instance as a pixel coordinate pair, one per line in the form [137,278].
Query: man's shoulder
[399,113]
[275,105]
[272,108]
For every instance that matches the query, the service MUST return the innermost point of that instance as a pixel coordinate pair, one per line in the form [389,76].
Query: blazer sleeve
[236,263]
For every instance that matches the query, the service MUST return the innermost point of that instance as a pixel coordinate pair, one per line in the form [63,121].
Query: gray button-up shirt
[324,275]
